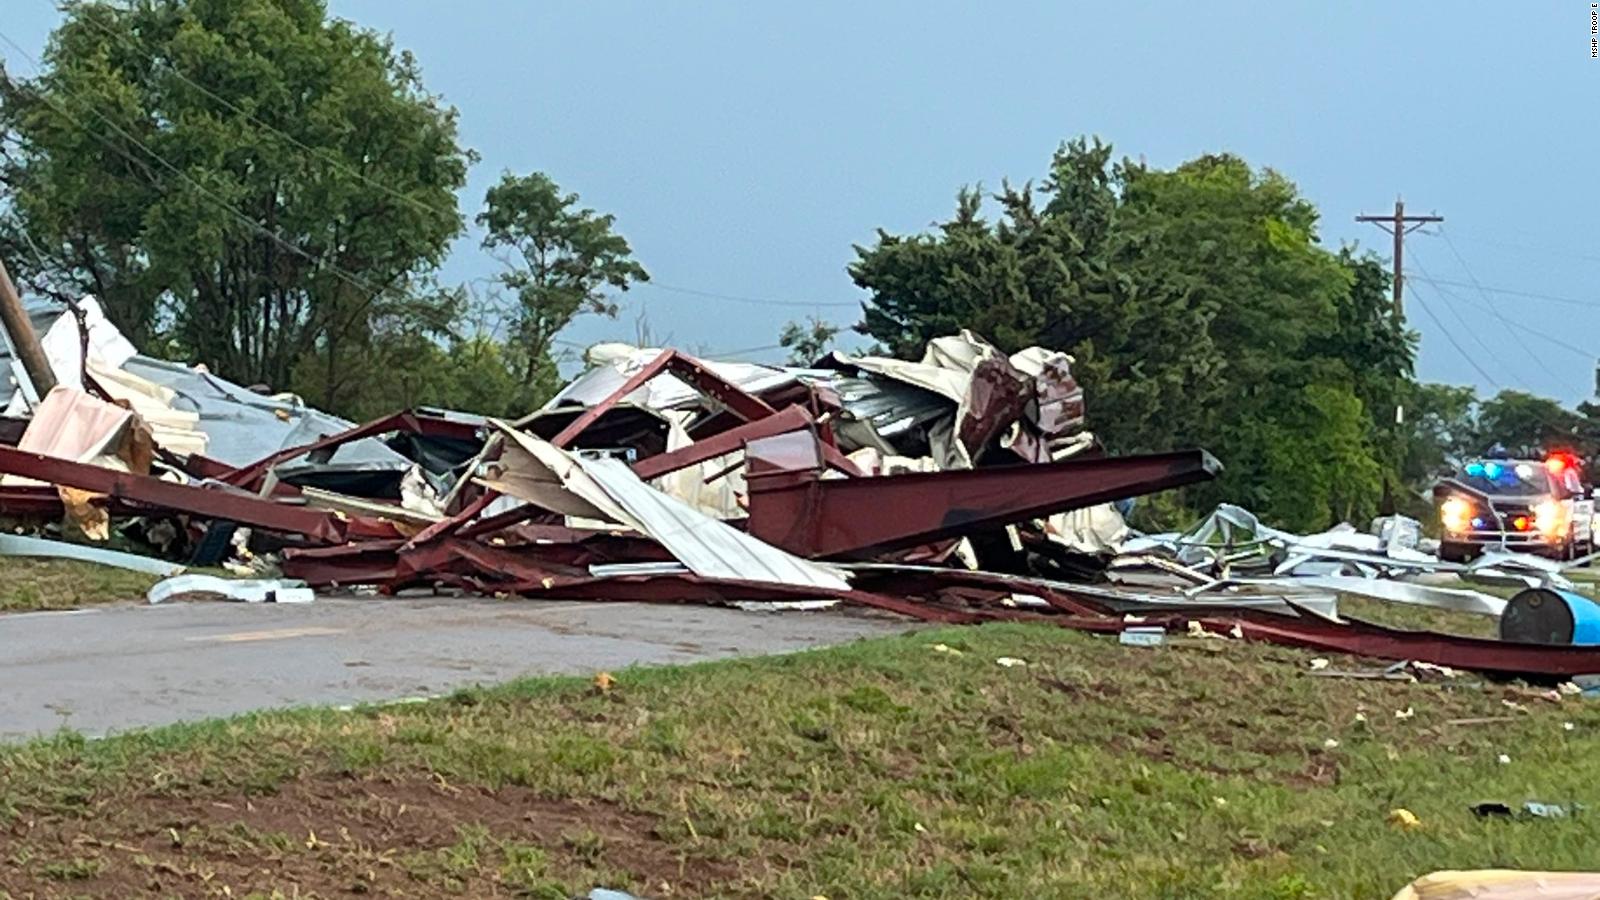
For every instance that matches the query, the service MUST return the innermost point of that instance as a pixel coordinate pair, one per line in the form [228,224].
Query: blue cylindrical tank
[1549,616]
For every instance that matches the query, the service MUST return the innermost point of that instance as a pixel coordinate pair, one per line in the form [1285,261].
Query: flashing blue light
[1477,522]
[1492,470]
[1475,469]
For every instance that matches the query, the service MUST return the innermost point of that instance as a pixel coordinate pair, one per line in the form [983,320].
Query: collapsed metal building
[959,488]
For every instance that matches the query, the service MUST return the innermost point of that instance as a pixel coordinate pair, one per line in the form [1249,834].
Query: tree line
[256,186]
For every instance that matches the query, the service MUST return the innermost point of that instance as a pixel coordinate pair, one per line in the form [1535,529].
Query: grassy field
[885,768]
[30,585]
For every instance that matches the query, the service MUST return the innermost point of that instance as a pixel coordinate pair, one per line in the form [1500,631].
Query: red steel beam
[793,418]
[409,421]
[792,507]
[738,401]
[214,503]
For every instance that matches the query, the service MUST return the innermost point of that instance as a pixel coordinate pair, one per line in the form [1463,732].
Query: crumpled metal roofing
[241,425]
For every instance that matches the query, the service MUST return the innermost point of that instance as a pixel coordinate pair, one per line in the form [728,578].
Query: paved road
[122,667]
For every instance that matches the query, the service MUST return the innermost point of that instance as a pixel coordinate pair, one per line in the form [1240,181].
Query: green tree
[807,341]
[1199,306]
[562,260]
[250,179]
[1526,425]
[1440,430]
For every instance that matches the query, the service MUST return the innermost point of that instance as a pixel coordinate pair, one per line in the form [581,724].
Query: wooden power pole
[1399,225]
[24,342]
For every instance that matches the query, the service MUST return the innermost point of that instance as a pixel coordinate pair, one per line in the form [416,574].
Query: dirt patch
[336,836]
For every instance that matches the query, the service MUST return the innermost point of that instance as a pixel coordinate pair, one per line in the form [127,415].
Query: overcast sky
[744,147]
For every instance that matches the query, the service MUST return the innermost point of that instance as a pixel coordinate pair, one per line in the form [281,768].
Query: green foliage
[562,259]
[1200,309]
[250,179]
[807,341]
[1526,425]
[1440,429]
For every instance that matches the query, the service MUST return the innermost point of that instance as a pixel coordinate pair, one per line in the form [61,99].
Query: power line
[1488,351]
[1512,292]
[324,154]
[1541,251]
[1454,343]
[346,276]
[1499,313]
[1513,324]
[759,301]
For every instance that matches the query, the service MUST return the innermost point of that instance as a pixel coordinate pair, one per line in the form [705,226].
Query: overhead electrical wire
[759,301]
[1501,358]
[1453,342]
[1488,351]
[127,41]
[222,203]
[1499,313]
[1511,292]
[325,156]
[1515,325]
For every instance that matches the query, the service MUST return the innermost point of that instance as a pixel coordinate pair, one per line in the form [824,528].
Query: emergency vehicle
[1526,505]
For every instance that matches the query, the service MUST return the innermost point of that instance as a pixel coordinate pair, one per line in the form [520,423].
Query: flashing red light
[1560,462]
[1520,523]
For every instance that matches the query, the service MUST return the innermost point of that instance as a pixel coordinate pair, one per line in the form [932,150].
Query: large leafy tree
[251,180]
[563,260]
[1201,310]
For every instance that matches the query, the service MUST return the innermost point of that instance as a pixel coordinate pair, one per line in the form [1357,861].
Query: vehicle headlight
[1456,514]
[1550,517]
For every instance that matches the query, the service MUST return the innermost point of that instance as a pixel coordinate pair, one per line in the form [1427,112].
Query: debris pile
[959,488]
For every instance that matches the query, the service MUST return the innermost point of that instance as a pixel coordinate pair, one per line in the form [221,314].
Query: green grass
[875,770]
[45,584]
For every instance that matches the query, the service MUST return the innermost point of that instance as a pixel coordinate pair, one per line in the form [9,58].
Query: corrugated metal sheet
[709,547]
[605,487]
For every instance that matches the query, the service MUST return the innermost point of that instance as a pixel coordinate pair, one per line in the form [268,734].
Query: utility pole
[24,342]
[1397,225]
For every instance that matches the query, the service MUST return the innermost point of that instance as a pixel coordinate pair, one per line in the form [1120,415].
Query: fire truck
[1528,505]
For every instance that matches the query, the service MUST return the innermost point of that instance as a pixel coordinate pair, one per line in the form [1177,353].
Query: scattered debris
[1143,637]
[1528,810]
[1502,884]
[242,590]
[1404,819]
[44,548]
[1010,662]
[960,488]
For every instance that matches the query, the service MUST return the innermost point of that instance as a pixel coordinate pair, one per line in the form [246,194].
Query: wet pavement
[121,667]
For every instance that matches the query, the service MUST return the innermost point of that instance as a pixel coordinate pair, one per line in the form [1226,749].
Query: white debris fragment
[1330,744]
[1010,662]
[1406,713]
[1503,760]
[1318,664]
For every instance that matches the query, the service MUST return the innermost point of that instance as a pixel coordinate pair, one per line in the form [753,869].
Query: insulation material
[73,425]
[714,487]
[1093,530]
[243,590]
[62,342]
